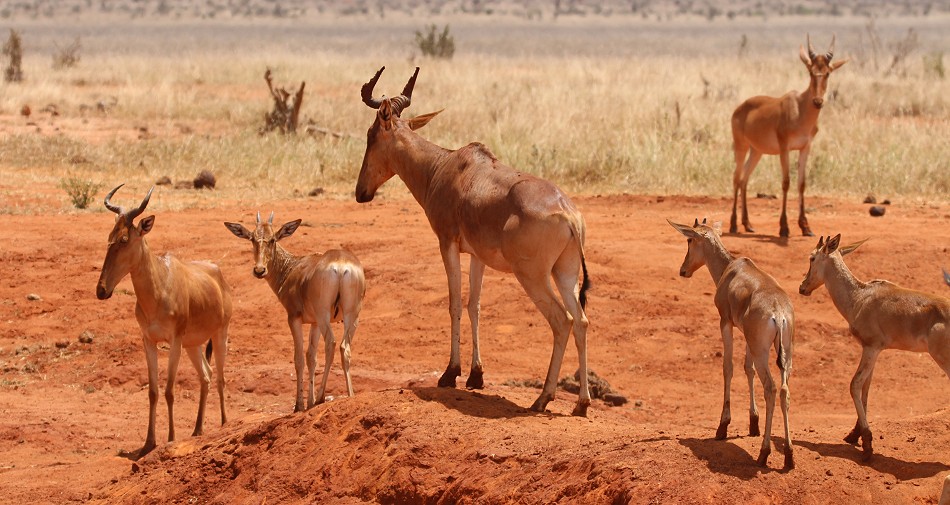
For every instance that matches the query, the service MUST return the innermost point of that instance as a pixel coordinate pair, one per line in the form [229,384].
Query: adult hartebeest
[777,125]
[752,301]
[184,304]
[505,219]
[315,289]
[881,315]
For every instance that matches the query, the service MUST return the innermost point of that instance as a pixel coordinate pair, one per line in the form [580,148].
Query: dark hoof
[299,408]
[789,461]
[866,438]
[783,233]
[475,380]
[754,426]
[580,410]
[764,457]
[540,404]
[749,229]
[448,378]
[853,437]
[807,233]
[721,431]
[733,228]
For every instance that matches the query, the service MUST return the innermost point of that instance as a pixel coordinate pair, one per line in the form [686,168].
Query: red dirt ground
[68,410]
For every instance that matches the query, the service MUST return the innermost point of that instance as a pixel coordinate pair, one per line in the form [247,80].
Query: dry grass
[591,118]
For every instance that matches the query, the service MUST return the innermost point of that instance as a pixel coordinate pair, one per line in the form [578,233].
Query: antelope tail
[578,232]
[783,345]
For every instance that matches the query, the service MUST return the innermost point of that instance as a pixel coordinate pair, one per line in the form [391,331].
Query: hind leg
[749,368]
[761,359]
[566,278]
[204,378]
[725,327]
[476,271]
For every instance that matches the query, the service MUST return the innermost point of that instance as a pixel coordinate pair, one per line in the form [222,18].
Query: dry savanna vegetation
[624,104]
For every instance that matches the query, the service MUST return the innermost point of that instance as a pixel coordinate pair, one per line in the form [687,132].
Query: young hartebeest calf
[777,125]
[752,301]
[184,304]
[881,315]
[505,219]
[316,289]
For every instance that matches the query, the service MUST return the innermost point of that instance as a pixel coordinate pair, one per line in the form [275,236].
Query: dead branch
[286,111]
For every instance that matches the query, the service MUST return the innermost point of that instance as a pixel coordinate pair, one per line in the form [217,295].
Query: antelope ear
[832,244]
[238,230]
[288,229]
[385,114]
[836,65]
[145,225]
[848,249]
[803,54]
[821,243]
[422,120]
[687,231]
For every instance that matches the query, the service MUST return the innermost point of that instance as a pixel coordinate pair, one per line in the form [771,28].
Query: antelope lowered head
[819,68]
[264,239]
[823,261]
[126,244]
[383,149]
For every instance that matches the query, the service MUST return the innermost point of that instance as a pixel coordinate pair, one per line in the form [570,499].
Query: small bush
[67,57]
[81,191]
[13,48]
[933,65]
[435,44]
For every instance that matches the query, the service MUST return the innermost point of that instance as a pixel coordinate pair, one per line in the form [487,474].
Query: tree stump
[286,111]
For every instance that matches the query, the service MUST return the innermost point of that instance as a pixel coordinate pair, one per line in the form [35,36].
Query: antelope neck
[279,267]
[717,258]
[417,164]
[842,285]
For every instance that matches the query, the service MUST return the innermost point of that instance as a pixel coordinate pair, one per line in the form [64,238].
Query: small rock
[62,344]
[33,297]
[316,192]
[185,185]
[765,196]
[829,473]
[205,179]
[135,467]
[877,210]
[886,202]
[25,111]
[86,337]
[870,199]
[660,199]
[614,399]
[164,181]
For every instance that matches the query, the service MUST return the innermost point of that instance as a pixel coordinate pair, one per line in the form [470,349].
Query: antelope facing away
[777,125]
[505,219]
[183,304]
[752,301]
[315,289]
[881,315]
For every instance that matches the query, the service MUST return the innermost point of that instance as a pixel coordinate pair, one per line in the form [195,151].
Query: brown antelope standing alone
[184,304]
[881,315]
[505,219]
[752,301]
[316,289]
[777,125]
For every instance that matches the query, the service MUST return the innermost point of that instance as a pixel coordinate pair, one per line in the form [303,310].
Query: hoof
[866,438]
[807,232]
[540,404]
[764,457]
[475,380]
[749,229]
[580,410]
[733,228]
[853,437]
[147,448]
[783,233]
[721,431]
[448,377]
[789,460]
[754,426]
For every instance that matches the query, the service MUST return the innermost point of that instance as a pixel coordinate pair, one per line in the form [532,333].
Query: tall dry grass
[596,120]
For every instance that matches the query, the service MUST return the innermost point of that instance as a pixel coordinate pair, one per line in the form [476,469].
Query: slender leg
[204,378]
[786,398]
[476,271]
[802,220]
[761,358]
[151,360]
[296,329]
[783,158]
[725,327]
[740,152]
[220,356]
[566,279]
[538,287]
[174,356]
[861,376]
[749,367]
[453,271]
[330,345]
[352,301]
[349,327]
[314,341]
[750,164]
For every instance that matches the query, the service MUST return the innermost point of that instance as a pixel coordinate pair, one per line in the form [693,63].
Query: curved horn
[831,48]
[402,101]
[367,91]
[270,220]
[141,208]
[258,218]
[109,205]
[811,50]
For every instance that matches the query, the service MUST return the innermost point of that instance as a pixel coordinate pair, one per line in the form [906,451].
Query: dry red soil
[70,411]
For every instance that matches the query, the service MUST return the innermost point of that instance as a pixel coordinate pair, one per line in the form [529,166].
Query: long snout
[803,290]
[260,272]
[363,196]
[819,102]
[102,293]
[685,273]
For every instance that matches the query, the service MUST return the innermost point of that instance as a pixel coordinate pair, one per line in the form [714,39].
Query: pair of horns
[270,220]
[130,214]
[697,223]
[811,50]
[399,103]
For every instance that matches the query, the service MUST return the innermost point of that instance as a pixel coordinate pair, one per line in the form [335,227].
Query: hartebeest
[751,300]
[315,289]
[183,304]
[881,315]
[505,219]
[777,125]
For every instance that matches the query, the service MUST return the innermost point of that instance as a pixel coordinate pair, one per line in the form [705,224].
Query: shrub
[14,49]
[67,57]
[80,191]
[434,44]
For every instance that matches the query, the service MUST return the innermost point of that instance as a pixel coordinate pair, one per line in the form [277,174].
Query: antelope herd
[518,223]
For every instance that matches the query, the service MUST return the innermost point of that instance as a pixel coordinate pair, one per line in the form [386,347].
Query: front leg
[174,356]
[151,361]
[725,327]
[476,271]
[453,271]
[783,159]
[296,329]
[861,377]
[802,220]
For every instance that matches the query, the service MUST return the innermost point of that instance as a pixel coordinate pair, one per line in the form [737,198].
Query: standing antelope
[881,315]
[777,125]
[505,219]
[184,304]
[752,301]
[316,289]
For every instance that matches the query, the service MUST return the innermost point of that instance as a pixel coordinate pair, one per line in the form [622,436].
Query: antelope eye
[123,239]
